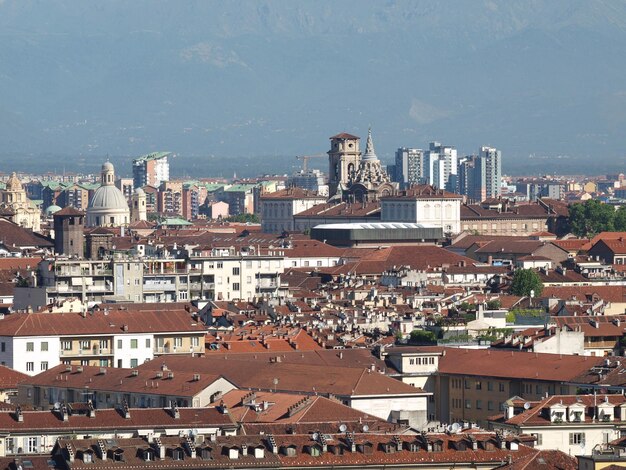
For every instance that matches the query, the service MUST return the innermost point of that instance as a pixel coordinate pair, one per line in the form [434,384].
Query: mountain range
[247,85]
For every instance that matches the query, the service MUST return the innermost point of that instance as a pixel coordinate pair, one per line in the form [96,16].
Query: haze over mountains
[239,81]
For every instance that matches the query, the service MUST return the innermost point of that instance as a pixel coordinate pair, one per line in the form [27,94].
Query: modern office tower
[479,176]
[440,161]
[470,174]
[409,167]
[493,170]
[152,169]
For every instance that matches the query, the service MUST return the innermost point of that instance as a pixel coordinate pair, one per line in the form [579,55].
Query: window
[30,366]
[147,342]
[319,263]
[490,386]
[490,405]
[178,341]
[467,384]
[84,344]
[119,344]
[104,363]
[84,362]
[133,343]
[44,365]
[501,386]
[538,438]
[249,279]
[576,438]
[104,344]
[195,341]
[235,286]
[31,445]
[220,265]
[44,345]
[236,271]
[134,362]
[468,404]
[479,385]
[479,404]
[3,346]
[30,346]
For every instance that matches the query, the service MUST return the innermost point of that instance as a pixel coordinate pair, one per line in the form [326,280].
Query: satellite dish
[455,427]
[316,436]
[343,428]
[57,406]
[366,428]
[527,406]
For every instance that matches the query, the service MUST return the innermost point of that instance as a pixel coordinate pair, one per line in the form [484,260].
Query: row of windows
[477,384]
[459,403]
[30,346]
[66,345]
[30,366]
[422,361]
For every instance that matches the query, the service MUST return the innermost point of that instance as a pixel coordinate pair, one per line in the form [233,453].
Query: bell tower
[344,158]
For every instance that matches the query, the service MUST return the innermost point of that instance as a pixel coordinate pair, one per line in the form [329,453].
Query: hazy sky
[84,79]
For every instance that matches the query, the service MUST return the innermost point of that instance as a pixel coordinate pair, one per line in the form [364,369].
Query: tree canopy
[592,217]
[525,281]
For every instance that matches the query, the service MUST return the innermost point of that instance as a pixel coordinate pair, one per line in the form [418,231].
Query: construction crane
[305,159]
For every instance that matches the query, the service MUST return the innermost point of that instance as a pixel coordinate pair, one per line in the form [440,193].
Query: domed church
[13,201]
[108,206]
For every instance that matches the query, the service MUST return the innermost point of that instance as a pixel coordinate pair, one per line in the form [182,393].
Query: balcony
[86,352]
[160,286]
[177,350]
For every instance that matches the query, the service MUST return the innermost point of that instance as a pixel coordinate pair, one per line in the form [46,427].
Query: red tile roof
[99,323]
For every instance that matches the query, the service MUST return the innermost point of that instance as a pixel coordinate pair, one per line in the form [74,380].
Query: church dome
[108,206]
[50,210]
[108,198]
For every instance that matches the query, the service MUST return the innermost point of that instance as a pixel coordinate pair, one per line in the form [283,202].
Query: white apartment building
[34,342]
[236,273]
[573,424]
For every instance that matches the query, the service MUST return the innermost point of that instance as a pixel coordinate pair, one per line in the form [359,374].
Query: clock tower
[344,158]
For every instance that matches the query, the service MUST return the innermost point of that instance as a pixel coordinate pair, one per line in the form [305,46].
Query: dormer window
[178,454]
[577,416]
[558,416]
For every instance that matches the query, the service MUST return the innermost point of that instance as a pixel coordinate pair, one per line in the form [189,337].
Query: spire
[369,154]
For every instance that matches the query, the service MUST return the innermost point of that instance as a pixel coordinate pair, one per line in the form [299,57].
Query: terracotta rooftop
[99,323]
[290,377]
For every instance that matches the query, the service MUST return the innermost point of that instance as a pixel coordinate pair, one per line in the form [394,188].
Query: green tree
[244,218]
[494,304]
[592,217]
[423,337]
[619,221]
[525,281]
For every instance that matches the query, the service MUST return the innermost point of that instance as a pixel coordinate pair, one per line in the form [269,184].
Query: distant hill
[83,79]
